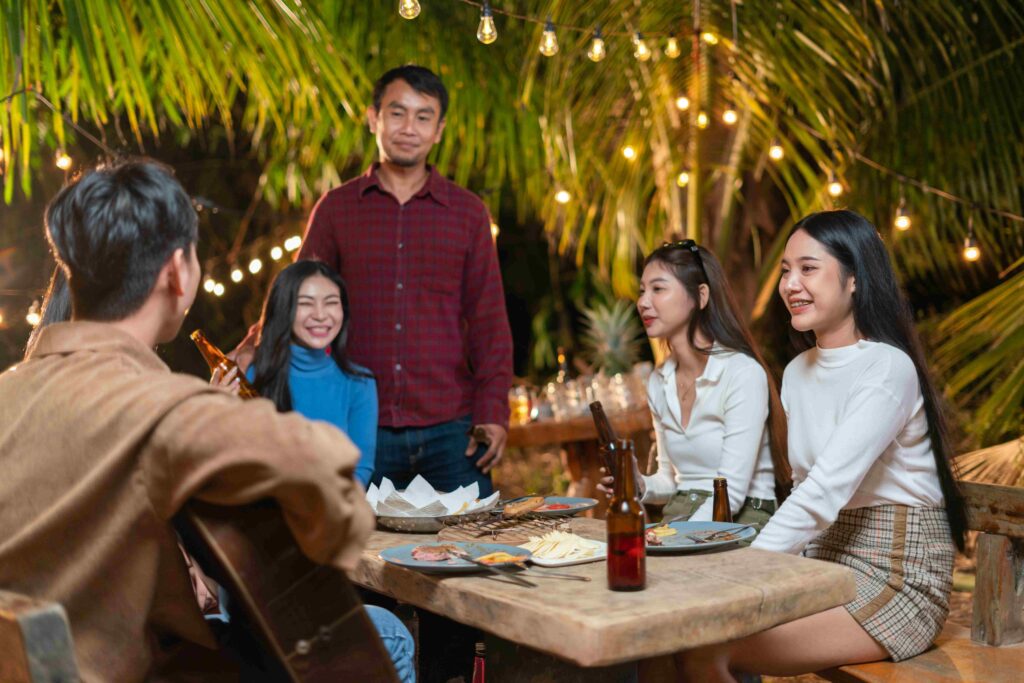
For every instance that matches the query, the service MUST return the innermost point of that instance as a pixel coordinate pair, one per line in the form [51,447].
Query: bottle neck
[625,479]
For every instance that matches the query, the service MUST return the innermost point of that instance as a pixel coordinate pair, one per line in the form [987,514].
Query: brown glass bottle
[605,434]
[215,358]
[627,549]
[721,512]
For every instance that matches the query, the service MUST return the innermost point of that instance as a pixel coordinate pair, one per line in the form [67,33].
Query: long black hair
[882,313]
[718,321]
[273,352]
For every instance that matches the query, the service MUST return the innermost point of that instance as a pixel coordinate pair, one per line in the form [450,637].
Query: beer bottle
[721,512]
[605,434]
[627,548]
[215,358]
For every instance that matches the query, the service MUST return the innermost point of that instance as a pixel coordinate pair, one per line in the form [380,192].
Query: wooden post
[35,641]
[999,591]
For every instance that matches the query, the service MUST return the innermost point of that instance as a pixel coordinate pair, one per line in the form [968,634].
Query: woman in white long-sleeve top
[873,488]
[714,405]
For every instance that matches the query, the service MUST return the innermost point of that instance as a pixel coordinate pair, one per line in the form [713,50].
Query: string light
[33,317]
[486,32]
[629,152]
[702,120]
[683,179]
[672,50]
[775,152]
[1,318]
[409,9]
[730,117]
[902,220]
[972,252]
[494,230]
[835,188]
[548,40]
[562,197]
[709,38]
[597,52]
[236,275]
[218,289]
[682,103]
[63,161]
[276,253]
[292,243]
[641,51]
[255,266]
[209,284]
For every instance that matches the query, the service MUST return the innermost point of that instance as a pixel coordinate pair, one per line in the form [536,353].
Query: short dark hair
[422,80]
[112,230]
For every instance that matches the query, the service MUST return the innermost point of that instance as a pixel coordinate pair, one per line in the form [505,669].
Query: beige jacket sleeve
[222,450]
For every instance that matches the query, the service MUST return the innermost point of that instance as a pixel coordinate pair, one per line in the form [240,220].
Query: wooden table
[561,629]
[578,437]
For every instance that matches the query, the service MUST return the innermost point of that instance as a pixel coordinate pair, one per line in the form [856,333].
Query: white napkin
[421,500]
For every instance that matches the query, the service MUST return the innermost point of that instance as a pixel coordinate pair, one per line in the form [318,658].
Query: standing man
[428,306]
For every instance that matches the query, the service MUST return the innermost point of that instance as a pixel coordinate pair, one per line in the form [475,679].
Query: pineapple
[612,337]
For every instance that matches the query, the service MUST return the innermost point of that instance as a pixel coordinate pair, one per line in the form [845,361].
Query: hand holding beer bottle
[224,370]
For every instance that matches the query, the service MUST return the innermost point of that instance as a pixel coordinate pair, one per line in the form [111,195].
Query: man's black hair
[420,78]
[113,229]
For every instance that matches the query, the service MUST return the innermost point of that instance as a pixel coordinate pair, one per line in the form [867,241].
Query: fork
[714,537]
[500,571]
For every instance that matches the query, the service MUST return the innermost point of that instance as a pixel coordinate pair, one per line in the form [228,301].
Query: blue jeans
[397,641]
[437,452]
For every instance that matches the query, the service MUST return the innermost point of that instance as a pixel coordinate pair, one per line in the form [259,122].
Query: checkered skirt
[902,559]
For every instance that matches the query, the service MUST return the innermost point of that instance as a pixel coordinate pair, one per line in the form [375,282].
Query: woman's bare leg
[817,642]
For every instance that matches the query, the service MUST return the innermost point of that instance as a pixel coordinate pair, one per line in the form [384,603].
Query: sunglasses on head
[692,247]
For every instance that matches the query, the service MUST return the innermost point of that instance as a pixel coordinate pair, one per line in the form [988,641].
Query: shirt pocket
[440,263]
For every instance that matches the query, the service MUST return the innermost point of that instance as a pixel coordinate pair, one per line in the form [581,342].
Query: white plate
[599,554]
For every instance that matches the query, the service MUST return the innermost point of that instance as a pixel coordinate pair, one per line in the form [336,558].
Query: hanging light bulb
[409,9]
[494,230]
[709,38]
[486,33]
[902,220]
[972,252]
[730,117]
[548,40]
[629,152]
[218,289]
[702,120]
[63,161]
[640,49]
[562,197]
[276,253]
[683,179]
[236,275]
[597,52]
[672,50]
[255,266]
[292,243]
[209,284]
[33,317]
[682,103]
[835,188]
[775,152]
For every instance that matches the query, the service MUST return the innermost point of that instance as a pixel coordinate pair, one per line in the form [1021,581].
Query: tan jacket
[100,445]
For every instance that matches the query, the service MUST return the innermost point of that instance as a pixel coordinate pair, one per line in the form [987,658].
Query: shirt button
[399,286]
[398,326]
[398,367]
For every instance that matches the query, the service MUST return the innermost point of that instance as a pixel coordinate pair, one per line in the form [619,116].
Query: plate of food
[547,506]
[442,558]
[563,548]
[684,537]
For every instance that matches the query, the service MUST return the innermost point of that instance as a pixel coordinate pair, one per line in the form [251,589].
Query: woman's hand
[227,381]
[607,484]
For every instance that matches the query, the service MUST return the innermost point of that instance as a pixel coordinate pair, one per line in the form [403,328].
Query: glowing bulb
[835,188]
[672,48]
[486,33]
[63,161]
[562,197]
[775,152]
[292,243]
[902,220]
[33,318]
[709,38]
[209,284]
[683,179]
[236,275]
[971,250]
[494,230]
[702,120]
[597,51]
[218,289]
[1,155]
[409,9]
[629,152]
[730,117]
[1,318]
[276,253]
[641,51]
[682,103]
[255,266]
[548,40]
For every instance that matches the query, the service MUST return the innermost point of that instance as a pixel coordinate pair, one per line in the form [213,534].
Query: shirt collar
[72,337]
[436,185]
[712,371]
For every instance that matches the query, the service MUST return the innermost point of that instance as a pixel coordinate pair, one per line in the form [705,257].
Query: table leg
[508,662]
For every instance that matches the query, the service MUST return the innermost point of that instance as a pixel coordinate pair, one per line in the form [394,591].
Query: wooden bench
[993,650]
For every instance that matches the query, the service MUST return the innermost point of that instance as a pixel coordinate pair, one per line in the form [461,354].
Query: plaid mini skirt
[902,559]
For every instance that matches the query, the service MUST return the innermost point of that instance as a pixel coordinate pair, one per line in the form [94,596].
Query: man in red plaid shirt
[427,303]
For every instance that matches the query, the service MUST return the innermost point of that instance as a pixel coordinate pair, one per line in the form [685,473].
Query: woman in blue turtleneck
[301,363]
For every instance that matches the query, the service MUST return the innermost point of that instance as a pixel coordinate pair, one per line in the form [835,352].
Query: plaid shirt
[425,298]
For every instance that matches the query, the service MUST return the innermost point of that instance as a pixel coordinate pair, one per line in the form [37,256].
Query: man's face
[407,125]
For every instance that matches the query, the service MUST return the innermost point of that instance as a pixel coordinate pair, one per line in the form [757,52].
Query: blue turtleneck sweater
[321,391]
